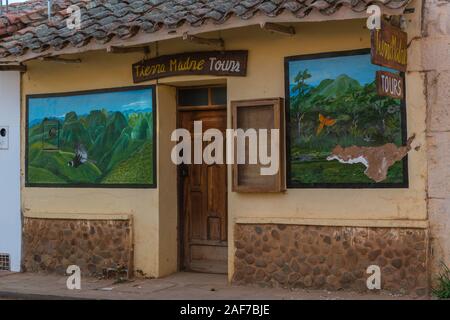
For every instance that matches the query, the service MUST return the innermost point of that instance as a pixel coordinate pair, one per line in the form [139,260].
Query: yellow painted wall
[167,183]
[154,211]
[96,71]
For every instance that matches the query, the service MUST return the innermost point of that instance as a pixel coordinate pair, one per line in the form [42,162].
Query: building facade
[100,189]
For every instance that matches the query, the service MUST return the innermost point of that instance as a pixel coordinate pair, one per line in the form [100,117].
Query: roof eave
[143,38]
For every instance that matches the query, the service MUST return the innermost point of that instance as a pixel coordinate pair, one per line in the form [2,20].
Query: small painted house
[99,89]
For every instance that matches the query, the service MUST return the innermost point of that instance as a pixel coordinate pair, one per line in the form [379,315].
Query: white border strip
[76,216]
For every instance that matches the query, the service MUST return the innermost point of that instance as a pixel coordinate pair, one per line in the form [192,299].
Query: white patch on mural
[359,159]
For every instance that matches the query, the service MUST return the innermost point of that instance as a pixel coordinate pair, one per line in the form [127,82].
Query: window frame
[209,106]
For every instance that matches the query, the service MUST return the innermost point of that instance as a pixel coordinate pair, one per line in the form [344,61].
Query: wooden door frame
[180,186]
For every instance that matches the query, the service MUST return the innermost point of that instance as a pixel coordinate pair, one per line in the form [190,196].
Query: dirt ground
[183,285]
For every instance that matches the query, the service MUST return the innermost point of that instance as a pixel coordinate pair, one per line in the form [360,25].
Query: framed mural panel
[97,139]
[340,132]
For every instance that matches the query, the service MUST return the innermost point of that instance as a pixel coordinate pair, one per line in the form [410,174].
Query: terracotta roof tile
[26,26]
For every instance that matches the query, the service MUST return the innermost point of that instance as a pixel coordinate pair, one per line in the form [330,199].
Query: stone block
[436,17]
[438,101]
[438,164]
[435,53]
[439,217]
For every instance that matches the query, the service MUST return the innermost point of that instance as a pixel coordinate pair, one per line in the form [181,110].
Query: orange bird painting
[324,122]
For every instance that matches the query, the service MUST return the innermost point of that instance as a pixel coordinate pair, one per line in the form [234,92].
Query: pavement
[179,286]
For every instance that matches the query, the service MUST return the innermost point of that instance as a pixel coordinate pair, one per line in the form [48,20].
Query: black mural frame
[97,185]
[295,185]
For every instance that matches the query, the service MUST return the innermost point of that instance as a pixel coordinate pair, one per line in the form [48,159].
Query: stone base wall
[51,245]
[331,258]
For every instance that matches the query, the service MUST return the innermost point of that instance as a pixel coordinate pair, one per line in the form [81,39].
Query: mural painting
[341,133]
[103,138]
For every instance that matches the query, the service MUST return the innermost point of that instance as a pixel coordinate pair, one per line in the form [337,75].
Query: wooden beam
[13,67]
[115,49]
[204,41]
[278,28]
[60,60]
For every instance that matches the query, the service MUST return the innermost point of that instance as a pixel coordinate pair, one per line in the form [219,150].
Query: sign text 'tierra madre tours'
[222,63]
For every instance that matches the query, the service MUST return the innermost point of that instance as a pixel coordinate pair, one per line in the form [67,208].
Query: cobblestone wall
[52,245]
[331,258]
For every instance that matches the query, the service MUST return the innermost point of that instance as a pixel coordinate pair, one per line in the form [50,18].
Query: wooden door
[204,201]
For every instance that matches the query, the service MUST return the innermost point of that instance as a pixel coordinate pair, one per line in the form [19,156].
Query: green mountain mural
[118,146]
[339,111]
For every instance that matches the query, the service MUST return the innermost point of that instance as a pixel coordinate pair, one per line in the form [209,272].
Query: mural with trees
[333,101]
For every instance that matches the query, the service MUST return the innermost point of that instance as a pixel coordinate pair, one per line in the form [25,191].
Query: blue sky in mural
[138,100]
[357,67]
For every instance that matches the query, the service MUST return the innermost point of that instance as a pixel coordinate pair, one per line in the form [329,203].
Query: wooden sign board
[389,47]
[220,63]
[390,85]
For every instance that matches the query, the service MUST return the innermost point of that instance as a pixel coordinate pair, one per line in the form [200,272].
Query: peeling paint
[359,159]
[377,160]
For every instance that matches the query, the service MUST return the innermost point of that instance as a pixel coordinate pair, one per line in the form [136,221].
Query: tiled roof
[25,27]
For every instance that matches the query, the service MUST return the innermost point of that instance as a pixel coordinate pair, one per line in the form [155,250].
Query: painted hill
[51,167]
[105,141]
[135,168]
[121,150]
[337,87]
[74,133]
[140,130]
[96,122]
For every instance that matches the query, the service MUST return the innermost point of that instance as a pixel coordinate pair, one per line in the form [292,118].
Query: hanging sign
[390,85]
[220,63]
[389,47]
